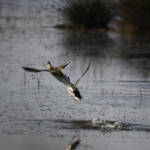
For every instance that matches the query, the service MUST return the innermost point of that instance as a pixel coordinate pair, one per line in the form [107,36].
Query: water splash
[96,123]
[108,125]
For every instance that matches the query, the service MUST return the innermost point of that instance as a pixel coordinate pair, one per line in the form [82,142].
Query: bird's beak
[45,64]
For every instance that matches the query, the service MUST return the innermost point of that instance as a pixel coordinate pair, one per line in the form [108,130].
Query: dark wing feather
[34,70]
[65,65]
[82,75]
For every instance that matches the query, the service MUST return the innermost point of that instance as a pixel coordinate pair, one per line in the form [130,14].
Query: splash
[96,123]
[108,125]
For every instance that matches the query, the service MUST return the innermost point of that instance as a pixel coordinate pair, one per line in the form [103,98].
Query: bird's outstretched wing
[34,70]
[65,65]
[82,75]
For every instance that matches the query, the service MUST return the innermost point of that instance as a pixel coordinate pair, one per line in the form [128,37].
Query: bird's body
[72,90]
[57,73]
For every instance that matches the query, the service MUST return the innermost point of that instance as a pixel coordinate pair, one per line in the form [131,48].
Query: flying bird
[57,73]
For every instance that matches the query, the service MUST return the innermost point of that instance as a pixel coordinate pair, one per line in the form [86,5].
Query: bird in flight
[57,73]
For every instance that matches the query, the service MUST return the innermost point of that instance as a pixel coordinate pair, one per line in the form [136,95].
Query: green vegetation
[89,14]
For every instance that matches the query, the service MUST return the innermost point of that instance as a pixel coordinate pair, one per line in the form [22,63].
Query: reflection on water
[73,144]
[112,52]
[29,101]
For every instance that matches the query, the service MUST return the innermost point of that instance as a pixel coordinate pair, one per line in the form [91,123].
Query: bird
[57,73]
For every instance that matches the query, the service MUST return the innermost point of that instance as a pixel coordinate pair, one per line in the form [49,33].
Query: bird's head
[47,64]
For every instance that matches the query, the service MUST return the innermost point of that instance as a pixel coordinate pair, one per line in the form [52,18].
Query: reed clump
[89,14]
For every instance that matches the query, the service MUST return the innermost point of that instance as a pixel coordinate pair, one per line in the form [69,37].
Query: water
[36,111]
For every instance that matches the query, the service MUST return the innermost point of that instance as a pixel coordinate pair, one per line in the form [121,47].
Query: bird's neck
[49,65]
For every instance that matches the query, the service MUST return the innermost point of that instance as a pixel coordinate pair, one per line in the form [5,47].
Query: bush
[89,13]
[135,15]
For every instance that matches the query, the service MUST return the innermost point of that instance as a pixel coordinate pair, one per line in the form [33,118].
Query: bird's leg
[75,100]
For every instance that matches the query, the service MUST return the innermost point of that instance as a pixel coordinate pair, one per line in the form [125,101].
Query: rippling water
[36,111]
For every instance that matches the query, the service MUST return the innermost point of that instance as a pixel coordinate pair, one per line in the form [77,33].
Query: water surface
[36,111]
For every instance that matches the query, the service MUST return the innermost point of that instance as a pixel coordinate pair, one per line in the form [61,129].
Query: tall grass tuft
[135,15]
[89,14]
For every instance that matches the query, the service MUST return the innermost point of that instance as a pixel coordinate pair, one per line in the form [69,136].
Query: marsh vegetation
[135,16]
[89,14]
[98,14]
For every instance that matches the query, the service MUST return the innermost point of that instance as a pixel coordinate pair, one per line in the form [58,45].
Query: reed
[89,14]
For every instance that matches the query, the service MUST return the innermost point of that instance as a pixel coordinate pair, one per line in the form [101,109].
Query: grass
[89,14]
[136,16]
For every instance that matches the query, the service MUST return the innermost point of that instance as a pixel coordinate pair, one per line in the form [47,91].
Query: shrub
[89,13]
